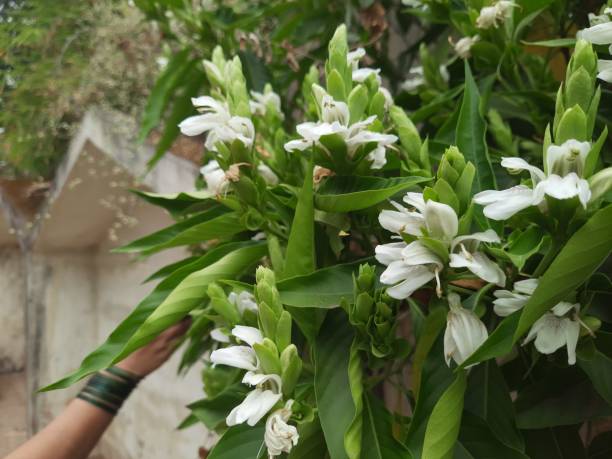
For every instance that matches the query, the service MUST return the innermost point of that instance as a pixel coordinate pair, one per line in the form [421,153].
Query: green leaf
[216,223]
[527,244]
[436,377]
[598,367]
[169,269]
[432,326]
[300,254]
[176,203]
[476,437]
[350,193]
[551,403]
[588,248]
[241,441]
[554,43]
[181,109]
[352,436]
[190,293]
[378,439]
[324,288]
[488,397]
[166,83]
[556,443]
[312,442]
[470,134]
[445,421]
[332,387]
[104,355]
[212,411]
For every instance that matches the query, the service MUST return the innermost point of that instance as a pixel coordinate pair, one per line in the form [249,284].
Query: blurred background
[91,93]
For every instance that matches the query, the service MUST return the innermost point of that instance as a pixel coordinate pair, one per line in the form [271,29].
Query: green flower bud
[362,309]
[600,183]
[312,77]
[584,56]
[579,89]
[338,51]
[573,125]
[221,305]
[267,353]
[283,331]
[366,277]
[267,293]
[291,366]
[267,319]
[408,134]
[357,102]
[335,85]
[265,275]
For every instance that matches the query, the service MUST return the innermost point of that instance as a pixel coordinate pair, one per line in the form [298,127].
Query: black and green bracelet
[108,389]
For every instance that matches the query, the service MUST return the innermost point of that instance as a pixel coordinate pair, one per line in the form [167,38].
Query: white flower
[410,266]
[599,34]
[464,332]
[416,78]
[219,335]
[553,330]
[359,75]
[567,159]
[264,100]
[605,70]
[244,301]
[267,174]
[218,122]
[279,436]
[259,401]
[335,120]
[243,357]
[464,45]
[492,16]
[477,262]
[268,387]
[417,4]
[216,181]
[595,19]
[507,301]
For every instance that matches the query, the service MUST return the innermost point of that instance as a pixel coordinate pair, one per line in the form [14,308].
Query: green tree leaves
[332,387]
[470,134]
[445,421]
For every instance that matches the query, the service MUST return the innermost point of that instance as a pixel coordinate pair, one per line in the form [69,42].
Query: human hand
[150,357]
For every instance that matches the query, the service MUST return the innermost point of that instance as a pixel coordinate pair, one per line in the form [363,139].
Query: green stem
[548,258]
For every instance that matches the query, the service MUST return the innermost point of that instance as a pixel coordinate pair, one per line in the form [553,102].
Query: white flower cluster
[412,265]
[492,16]
[219,123]
[279,436]
[600,33]
[335,118]
[562,180]
[556,328]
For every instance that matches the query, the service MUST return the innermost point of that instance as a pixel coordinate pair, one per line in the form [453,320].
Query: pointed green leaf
[190,293]
[470,134]
[241,441]
[350,193]
[103,356]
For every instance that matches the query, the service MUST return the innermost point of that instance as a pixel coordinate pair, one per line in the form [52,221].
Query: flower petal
[418,276]
[242,357]
[249,335]
[388,253]
[501,205]
[519,164]
[441,220]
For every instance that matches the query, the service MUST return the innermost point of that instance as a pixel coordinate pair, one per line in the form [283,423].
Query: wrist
[109,388]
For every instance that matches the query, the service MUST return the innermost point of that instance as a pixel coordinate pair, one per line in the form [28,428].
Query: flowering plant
[355,295]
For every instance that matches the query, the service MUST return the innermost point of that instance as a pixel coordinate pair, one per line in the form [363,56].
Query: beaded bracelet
[108,389]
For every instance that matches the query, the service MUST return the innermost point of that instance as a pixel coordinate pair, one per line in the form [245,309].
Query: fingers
[176,330]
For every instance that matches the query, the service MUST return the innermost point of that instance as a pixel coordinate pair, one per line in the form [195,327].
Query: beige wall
[12,290]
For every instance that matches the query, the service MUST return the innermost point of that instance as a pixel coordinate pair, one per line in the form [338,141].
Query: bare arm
[77,430]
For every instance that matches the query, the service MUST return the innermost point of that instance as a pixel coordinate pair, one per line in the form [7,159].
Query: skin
[77,430]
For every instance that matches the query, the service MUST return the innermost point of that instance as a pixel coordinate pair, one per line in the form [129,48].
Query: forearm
[72,435]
